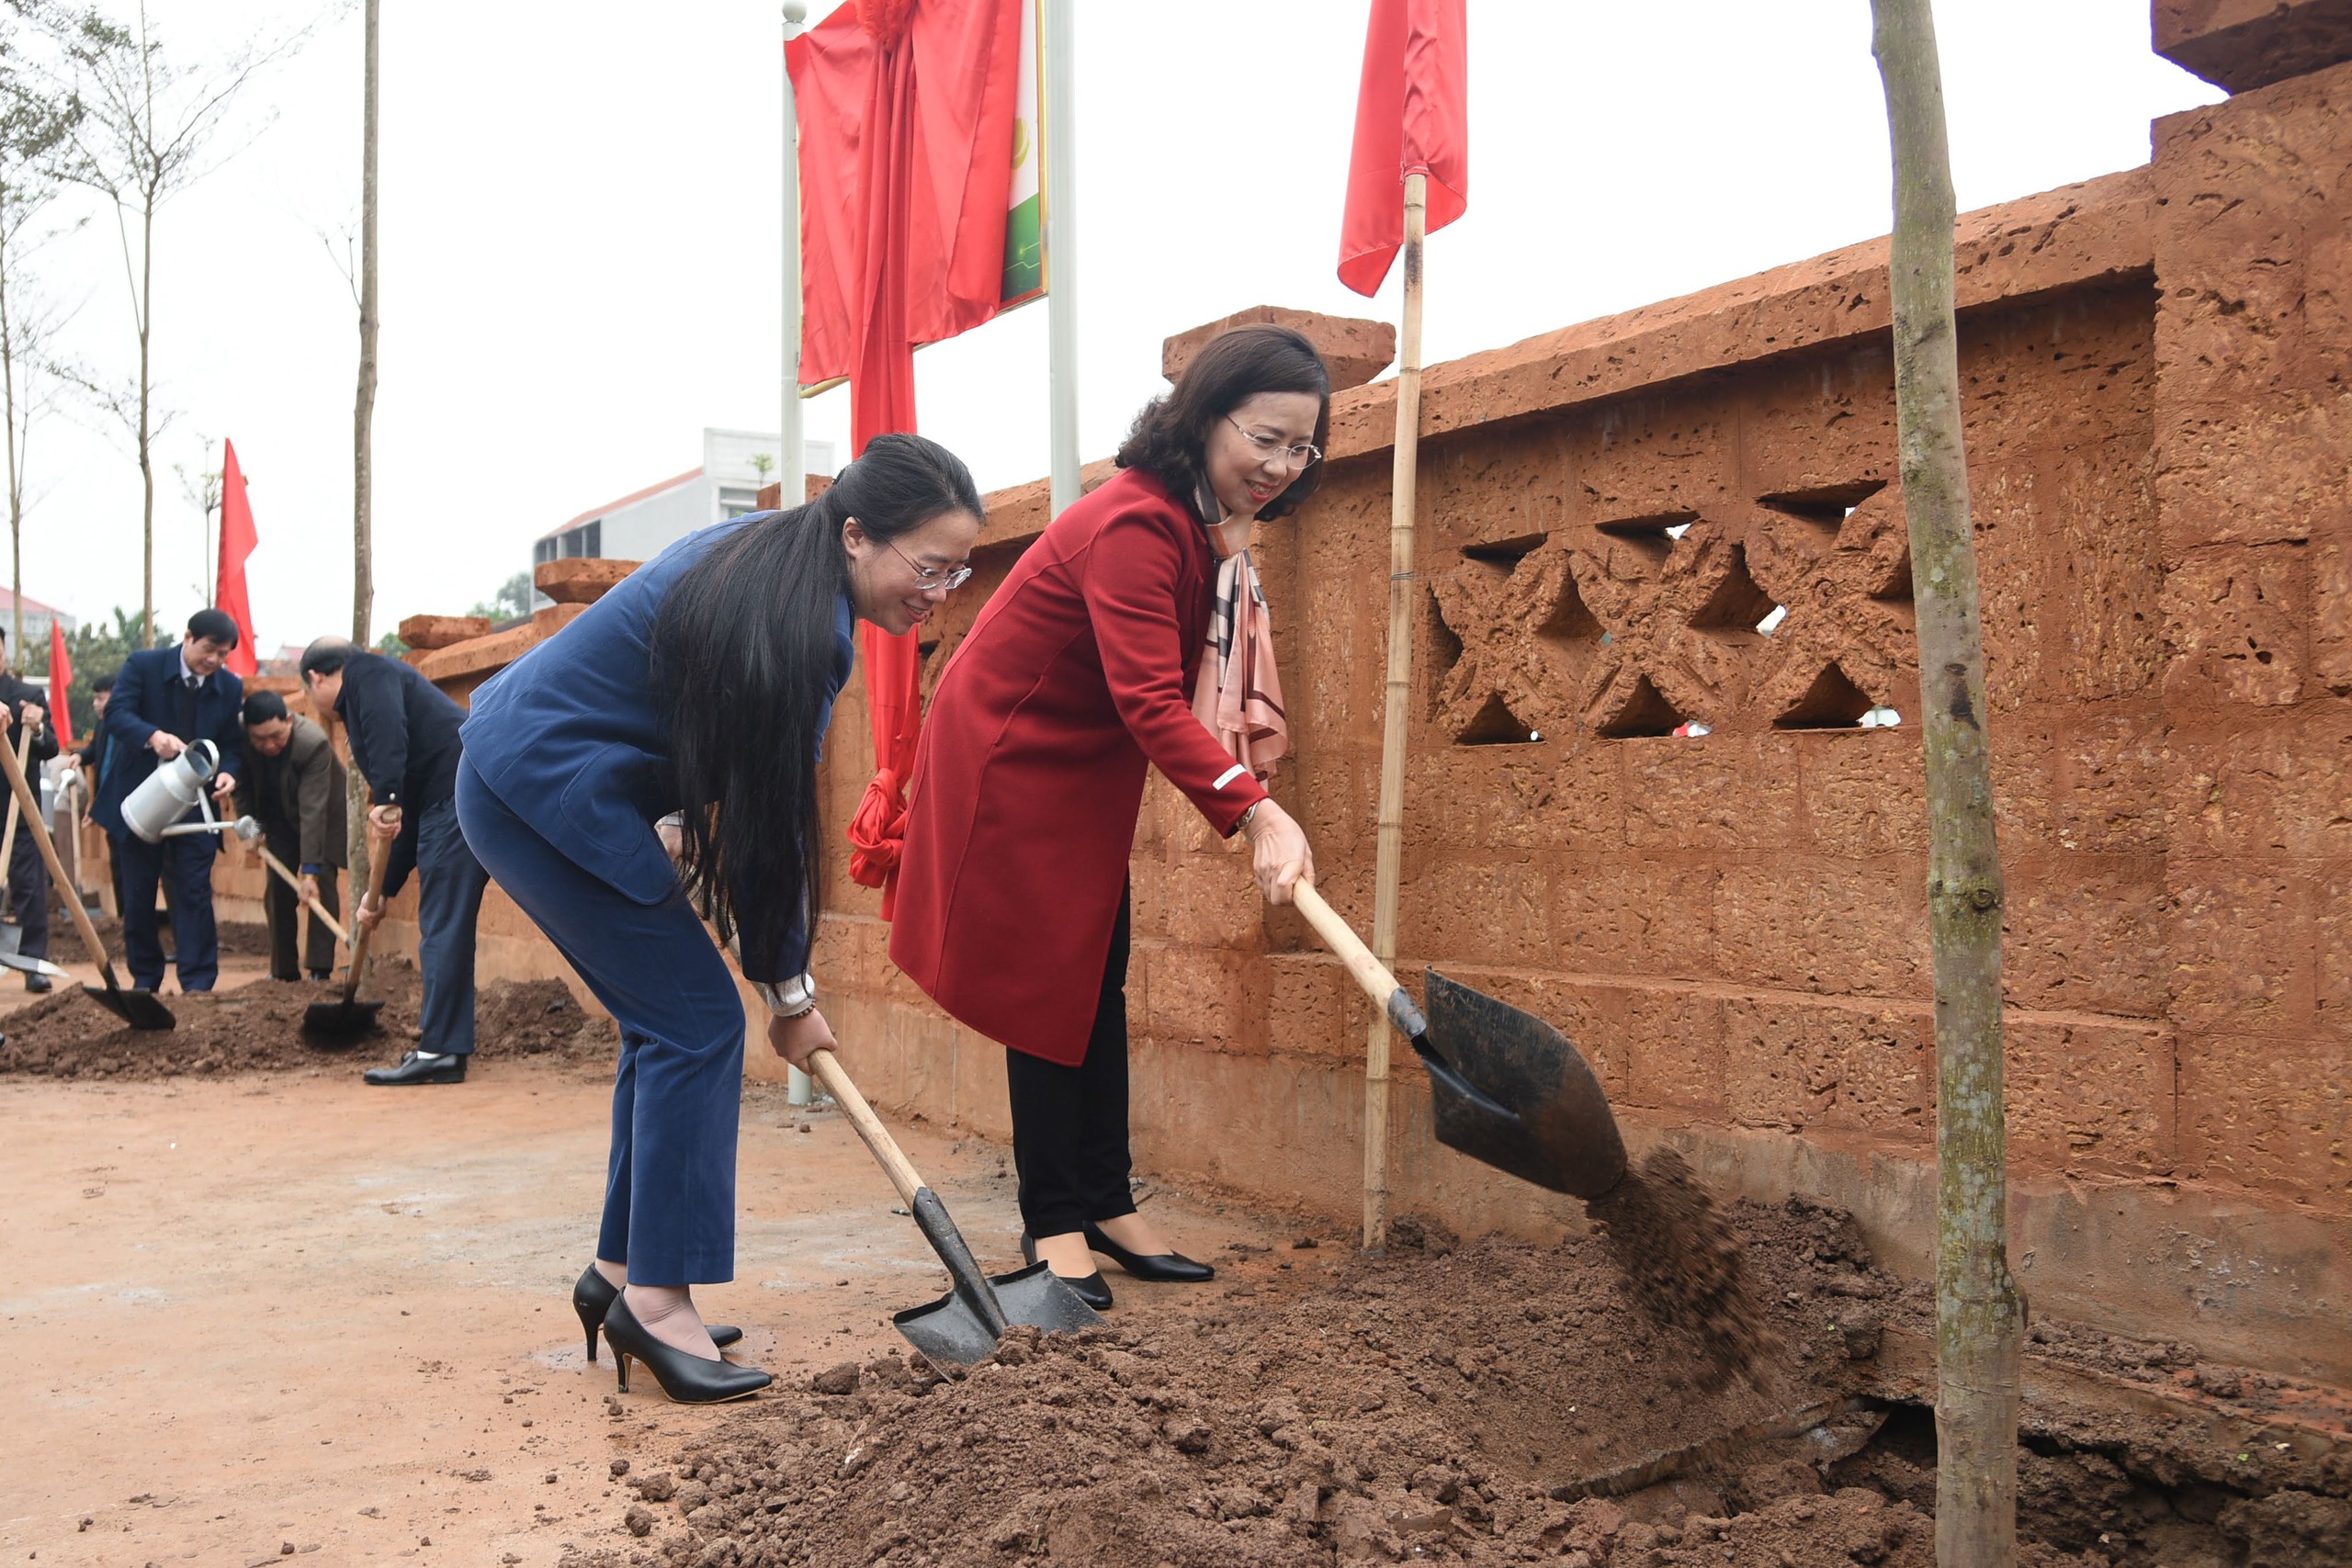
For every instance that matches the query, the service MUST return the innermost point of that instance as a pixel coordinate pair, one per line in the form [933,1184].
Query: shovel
[348,1018]
[318,910]
[141,1010]
[1505,1086]
[963,1325]
[12,936]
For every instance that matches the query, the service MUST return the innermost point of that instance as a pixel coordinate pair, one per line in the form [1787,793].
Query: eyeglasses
[1273,449]
[930,577]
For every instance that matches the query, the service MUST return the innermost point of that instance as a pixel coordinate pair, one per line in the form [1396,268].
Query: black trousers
[1070,1125]
[29,891]
[283,910]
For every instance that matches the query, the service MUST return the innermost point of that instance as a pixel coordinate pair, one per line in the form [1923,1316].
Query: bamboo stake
[1390,859]
[1978,1315]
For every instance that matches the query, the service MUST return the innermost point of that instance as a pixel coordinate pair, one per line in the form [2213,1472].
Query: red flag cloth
[1412,116]
[237,542]
[61,682]
[905,110]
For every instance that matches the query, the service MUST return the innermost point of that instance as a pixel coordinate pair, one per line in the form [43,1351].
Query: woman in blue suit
[701,684]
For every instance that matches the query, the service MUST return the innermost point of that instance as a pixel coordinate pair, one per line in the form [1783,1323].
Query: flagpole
[1389,859]
[792,467]
[1060,94]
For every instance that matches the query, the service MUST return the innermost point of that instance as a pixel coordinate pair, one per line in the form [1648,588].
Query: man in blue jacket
[166,699]
[403,733]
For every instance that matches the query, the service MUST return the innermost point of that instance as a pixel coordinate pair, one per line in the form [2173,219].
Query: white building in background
[639,526]
[38,619]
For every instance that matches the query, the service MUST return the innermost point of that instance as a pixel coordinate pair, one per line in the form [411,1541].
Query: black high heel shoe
[1092,1289]
[686,1379]
[592,1297]
[1171,1268]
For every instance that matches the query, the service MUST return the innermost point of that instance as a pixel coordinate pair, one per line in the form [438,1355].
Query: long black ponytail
[743,653]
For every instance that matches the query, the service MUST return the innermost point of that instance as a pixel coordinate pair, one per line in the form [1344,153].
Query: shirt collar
[187,674]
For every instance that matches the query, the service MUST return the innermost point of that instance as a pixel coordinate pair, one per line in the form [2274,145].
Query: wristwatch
[794,998]
[1241,823]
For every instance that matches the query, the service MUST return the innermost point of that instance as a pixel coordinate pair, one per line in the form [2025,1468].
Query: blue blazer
[570,737]
[145,700]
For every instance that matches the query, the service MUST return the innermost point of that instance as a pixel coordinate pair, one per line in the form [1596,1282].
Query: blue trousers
[184,864]
[677,1096]
[449,907]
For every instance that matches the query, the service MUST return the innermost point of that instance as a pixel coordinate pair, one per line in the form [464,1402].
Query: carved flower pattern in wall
[1635,625]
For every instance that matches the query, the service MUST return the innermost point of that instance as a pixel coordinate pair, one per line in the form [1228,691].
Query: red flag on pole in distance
[237,542]
[61,682]
[905,111]
[1412,113]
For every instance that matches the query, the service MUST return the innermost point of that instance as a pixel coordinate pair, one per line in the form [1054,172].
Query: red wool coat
[1022,807]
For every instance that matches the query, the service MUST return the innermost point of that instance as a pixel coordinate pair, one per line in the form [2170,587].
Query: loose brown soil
[1489,1404]
[258,1027]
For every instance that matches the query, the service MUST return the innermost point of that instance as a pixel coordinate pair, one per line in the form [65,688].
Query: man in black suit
[294,789]
[403,735]
[26,707]
[165,700]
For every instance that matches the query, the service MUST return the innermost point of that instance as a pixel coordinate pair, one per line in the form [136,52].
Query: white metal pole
[1061,244]
[791,462]
[792,465]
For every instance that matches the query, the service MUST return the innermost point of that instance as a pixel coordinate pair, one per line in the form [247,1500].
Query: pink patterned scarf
[1237,693]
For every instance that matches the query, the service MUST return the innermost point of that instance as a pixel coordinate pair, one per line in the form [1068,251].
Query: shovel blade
[1508,1089]
[141,1010]
[952,1331]
[340,1020]
[10,958]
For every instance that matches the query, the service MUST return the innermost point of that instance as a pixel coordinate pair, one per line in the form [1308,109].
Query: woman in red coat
[1085,667]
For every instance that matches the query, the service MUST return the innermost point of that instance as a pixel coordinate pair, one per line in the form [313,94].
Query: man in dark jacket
[93,758]
[25,708]
[403,736]
[294,789]
[165,700]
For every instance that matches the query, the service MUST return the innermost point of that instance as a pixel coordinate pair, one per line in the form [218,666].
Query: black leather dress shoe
[593,1296]
[1171,1268]
[38,984]
[1094,1291]
[415,1069]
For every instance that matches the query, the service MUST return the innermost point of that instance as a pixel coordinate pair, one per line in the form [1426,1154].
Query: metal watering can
[154,809]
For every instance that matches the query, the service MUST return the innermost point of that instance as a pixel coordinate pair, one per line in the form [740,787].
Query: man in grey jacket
[294,787]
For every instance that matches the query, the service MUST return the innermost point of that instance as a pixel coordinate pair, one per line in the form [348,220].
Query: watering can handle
[1370,973]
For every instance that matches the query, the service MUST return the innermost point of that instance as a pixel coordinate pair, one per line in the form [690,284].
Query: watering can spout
[171,791]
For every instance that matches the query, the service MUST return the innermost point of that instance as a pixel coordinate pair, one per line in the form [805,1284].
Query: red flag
[1412,116]
[61,682]
[237,542]
[905,110]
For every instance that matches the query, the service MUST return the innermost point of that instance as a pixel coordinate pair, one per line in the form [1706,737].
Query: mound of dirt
[1485,1403]
[258,1027]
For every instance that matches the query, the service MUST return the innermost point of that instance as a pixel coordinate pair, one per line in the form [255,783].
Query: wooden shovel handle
[8,835]
[826,1068]
[22,795]
[1370,973]
[380,851]
[295,883]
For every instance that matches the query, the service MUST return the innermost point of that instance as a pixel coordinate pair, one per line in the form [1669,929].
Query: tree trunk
[1978,1313]
[146,437]
[16,490]
[363,576]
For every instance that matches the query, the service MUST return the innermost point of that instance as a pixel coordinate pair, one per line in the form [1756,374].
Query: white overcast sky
[581,239]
